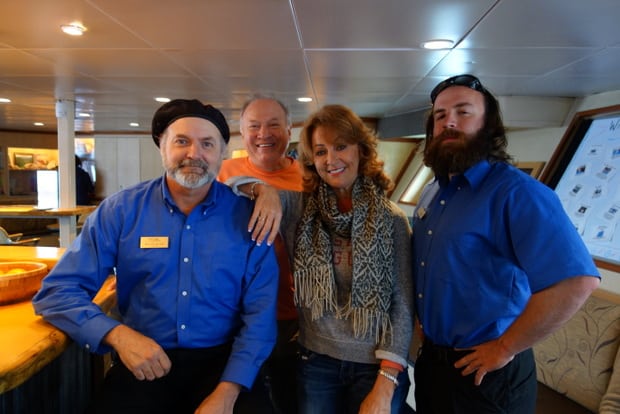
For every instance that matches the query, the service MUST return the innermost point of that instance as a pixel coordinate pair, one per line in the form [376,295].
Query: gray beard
[192,180]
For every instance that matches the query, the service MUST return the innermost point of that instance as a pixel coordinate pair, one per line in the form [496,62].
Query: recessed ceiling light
[134,124]
[162,99]
[438,44]
[73,29]
[304,99]
[5,100]
[84,115]
[38,124]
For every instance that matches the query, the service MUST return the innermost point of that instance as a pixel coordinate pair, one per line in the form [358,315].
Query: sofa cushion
[550,401]
[610,404]
[578,359]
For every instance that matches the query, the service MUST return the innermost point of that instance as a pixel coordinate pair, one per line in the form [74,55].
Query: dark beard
[456,156]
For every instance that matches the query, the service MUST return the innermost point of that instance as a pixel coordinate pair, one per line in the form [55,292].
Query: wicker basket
[20,286]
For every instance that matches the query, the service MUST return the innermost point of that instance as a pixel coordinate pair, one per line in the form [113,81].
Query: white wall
[534,144]
[122,161]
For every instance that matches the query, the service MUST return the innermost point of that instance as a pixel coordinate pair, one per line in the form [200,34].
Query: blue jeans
[327,385]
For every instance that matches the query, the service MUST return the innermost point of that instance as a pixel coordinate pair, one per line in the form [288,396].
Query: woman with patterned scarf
[351,267]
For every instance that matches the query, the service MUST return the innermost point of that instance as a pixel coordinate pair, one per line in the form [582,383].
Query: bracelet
[252,195]
[389,376]
[386,363]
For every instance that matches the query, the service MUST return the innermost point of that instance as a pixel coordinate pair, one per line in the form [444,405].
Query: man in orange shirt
[265,127]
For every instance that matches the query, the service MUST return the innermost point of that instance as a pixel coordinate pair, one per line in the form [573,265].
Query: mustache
[450,134]
[194,163]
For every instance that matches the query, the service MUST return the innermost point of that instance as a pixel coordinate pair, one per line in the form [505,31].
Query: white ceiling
[365,54]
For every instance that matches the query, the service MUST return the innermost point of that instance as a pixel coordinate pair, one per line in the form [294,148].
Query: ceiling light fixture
[84,115]
[162,99]
[437,44]
[134,124]
[304,99]
[38,124]
[73,29]
[5,100]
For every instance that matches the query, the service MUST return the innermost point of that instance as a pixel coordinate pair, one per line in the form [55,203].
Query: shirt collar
[206,202]
[474,175]
[477,173]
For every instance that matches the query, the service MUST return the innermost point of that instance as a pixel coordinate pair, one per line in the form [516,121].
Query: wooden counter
[28,342]
[28,211]
[66,217]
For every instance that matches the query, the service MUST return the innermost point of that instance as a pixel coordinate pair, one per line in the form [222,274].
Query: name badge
[421,212]
[153,242]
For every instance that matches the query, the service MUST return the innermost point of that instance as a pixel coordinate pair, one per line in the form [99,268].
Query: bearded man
[196,296]
[497,263]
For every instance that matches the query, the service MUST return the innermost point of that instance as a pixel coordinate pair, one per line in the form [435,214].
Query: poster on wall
[588,184]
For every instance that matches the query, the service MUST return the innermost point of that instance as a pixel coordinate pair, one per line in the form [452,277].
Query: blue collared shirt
[483,243]
[185,281]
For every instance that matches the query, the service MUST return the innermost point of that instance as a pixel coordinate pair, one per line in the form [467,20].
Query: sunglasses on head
[470,81]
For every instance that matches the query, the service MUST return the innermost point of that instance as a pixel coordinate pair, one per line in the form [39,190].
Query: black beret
[183,108]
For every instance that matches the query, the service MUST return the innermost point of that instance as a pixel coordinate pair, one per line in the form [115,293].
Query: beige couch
[580,362]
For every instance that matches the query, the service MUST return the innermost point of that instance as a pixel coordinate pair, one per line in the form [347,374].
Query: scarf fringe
[372,322]
[315,290]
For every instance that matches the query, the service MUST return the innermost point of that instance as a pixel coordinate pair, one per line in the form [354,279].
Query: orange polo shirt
[285,179]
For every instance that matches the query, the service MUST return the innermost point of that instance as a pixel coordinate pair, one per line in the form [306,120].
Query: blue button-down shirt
[483,243]
[185,281]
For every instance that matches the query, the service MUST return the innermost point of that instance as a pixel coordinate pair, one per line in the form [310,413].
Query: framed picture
[583,171]
[533,168]
[21,160]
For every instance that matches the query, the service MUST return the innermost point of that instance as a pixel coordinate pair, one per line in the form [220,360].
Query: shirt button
[188,227]
[186,259]
[420,295]
[184,293]
[183,326]
[87,346]
[422,264]
[442,202]
[430,232]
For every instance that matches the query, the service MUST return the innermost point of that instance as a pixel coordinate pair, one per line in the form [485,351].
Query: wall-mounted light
[134,124]
[5,100]
[437,44]
[38,124]
[162,99]
[304,99]
[73,29]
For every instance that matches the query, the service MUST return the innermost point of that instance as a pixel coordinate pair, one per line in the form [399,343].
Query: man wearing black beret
[196,294]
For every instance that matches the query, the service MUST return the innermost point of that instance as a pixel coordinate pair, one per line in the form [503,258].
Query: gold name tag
[153,242]
[421,212]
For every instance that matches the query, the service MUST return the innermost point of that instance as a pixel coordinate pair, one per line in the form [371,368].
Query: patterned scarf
[369,226]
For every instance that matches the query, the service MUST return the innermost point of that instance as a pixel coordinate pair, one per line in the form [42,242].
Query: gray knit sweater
[334,337]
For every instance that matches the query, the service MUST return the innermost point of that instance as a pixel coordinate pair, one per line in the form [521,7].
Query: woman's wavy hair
[493,129]
[352,130]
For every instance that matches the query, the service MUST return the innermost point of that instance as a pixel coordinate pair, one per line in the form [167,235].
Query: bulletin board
[584,172]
